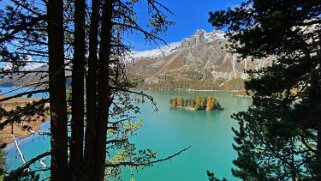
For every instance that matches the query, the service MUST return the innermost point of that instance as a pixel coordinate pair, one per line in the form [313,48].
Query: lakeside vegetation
[199,103]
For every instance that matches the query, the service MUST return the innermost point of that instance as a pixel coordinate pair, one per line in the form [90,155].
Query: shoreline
[187,90]
[193,109]
[23,140]
[242,96]
[6,136]
[20,129]
[210,90]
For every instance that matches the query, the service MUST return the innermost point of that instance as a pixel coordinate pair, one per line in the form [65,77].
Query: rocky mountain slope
[190,60]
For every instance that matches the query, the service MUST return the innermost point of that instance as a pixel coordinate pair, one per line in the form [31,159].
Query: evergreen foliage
[211,177]
[280,134]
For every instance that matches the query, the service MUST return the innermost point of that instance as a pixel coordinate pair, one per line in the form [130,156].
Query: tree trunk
[91,83]
[104,91]
[57,90]
[318,171]
[292,165]
[315,100]
[77,120]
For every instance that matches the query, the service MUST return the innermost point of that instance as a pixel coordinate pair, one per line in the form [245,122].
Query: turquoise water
[168,131]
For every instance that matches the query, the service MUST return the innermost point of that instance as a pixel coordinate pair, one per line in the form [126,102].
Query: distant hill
[30,77]
[199,61]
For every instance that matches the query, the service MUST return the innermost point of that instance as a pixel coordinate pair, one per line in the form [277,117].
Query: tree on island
[280,134]
[180,101]
[198,103]
[173,102]
[99,102]
[211,102]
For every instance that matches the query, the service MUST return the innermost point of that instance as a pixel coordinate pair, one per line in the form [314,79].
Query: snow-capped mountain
[201,36]
[200,53]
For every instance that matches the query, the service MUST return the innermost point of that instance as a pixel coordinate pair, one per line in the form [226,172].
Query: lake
[167,132]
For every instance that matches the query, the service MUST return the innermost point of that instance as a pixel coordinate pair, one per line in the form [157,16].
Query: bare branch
[15,174]
[147,163]
[24,93]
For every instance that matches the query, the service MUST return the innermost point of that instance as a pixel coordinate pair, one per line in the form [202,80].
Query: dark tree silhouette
[99,101]
[57,91]
[280,134]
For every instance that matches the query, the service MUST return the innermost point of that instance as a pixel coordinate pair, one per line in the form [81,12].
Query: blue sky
[189,15]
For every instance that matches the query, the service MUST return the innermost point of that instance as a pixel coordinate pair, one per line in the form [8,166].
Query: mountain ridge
[197,62]
[194,57]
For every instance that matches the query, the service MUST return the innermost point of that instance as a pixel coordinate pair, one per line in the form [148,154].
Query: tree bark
[104,91]
[319,141]
[91,83]
[318,154]
[78,70]
[315,100]
[57,90]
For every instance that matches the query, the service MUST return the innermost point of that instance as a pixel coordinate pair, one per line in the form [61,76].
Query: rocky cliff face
[190,59]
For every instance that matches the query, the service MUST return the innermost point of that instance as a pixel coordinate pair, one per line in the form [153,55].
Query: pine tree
[210,103]
[198,103]
[280,134]
[192,102]
[174,103]
[179,101]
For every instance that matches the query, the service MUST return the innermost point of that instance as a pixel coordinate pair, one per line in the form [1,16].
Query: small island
[199,103]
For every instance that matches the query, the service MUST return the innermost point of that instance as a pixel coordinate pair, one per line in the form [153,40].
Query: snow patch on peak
[199,32]
[32,64]
[29,64]
[162,51]
[214,35]
[202,37]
